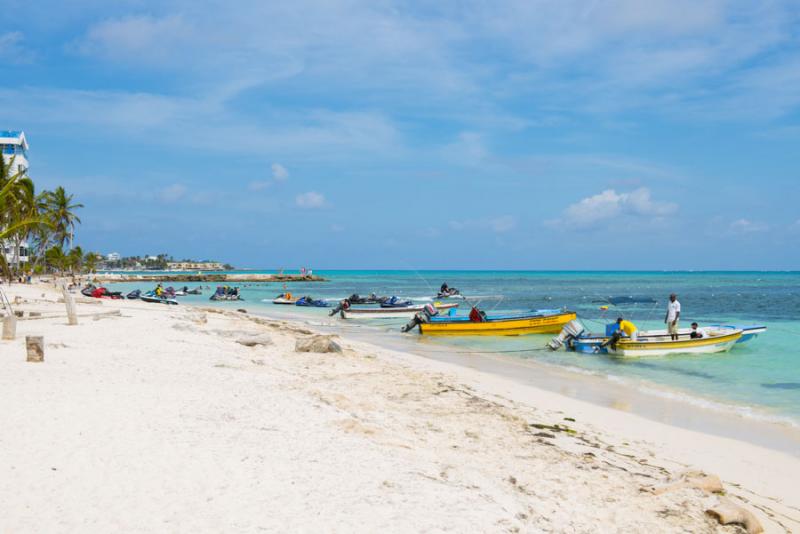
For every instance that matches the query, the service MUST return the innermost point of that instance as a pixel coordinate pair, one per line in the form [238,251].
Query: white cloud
[172,193]
[746,226]
[279,172]
[139,39]
[610,204]
[310,200]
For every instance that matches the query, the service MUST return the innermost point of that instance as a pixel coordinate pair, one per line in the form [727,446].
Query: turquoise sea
[760,378]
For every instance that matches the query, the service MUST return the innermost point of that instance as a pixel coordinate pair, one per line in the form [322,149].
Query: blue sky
[380,134]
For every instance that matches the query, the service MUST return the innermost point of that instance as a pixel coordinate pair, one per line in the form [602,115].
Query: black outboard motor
[421,317]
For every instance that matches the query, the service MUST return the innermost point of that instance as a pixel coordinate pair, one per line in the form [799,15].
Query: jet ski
[450,293]
[284,298]
[151,296]
[310,302]
[103,293]
[135,294]
[226,293]
[394,302]
[355,298]
[88,290]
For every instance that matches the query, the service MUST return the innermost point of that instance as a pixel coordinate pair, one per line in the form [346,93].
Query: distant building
[113,256]
[14,256]
[194,266]
[14,147]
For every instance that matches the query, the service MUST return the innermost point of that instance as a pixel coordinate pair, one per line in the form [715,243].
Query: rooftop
[18,137]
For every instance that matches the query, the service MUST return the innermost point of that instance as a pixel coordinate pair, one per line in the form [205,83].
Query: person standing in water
[673,316]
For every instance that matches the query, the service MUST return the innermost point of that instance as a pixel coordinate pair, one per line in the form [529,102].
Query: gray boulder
[317,344]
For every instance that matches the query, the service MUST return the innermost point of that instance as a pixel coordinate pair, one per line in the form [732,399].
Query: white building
[113,256]
[14,147]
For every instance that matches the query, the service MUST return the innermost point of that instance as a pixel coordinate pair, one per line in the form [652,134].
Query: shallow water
[760,378]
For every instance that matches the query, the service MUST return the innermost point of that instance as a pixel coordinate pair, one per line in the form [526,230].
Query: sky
[522,134]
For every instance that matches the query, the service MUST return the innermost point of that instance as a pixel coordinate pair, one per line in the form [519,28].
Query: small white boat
[405,312]
[656,344]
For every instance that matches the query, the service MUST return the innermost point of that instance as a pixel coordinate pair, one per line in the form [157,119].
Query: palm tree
[56,258]
[90,261]
[18,211]
[61,212]
[75,259]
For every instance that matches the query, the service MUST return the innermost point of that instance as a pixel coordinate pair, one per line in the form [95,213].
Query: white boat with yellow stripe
[657,344]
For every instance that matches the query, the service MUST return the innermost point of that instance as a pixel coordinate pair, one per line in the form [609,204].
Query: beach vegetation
[35,227]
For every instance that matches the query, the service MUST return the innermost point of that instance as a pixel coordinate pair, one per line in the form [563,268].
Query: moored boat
[390,313]
[576,338]
[713,341]
[480,324]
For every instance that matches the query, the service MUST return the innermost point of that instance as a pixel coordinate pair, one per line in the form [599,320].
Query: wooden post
[10,327]
[35,347]
[72,316]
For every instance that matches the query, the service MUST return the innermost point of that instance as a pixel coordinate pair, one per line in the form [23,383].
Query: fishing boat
[284,298]
[480,324]
[713,341]
[390,313]
[575,337]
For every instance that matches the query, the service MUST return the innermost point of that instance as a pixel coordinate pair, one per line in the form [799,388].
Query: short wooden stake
[72,316]
[9,327]
[35,348]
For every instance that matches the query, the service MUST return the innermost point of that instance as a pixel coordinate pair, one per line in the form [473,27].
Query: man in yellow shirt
[628,328]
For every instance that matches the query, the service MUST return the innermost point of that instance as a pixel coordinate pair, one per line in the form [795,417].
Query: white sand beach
[160,420]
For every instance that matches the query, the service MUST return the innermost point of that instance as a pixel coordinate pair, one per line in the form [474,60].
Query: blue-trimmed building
[15,148]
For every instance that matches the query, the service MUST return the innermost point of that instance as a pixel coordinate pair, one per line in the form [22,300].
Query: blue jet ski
[394,302]
[309,302]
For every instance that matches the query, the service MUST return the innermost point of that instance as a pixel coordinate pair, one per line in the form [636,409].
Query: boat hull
[508,326]
[706,345]
[283,301]
[389,313]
